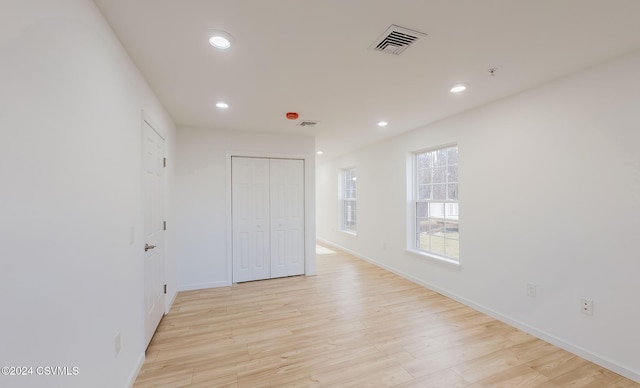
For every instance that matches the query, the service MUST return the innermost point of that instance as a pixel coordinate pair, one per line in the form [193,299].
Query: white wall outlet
[532,290]
[586,306]
[118,344]
[132,235]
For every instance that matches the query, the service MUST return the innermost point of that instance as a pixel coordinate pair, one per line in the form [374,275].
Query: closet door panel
[287,217]
[250,218]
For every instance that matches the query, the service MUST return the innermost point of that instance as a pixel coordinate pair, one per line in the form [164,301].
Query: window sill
[444,261]
[348,233]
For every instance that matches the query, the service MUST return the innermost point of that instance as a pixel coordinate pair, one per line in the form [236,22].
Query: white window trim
[348,233]
[445,261]
[411,212]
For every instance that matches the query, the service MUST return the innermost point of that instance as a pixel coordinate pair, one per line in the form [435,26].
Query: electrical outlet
[132,235]
[117,344]
[586,306]
[532,290]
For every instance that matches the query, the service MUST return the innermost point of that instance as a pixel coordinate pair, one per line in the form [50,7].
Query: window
[435,202]
[348,194]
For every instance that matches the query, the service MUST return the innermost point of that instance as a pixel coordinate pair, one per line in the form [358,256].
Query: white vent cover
[396,39]
[308,123]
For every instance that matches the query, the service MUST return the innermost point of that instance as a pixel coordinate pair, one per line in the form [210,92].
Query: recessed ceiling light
[382,123]
[222,105]
[319,152]
[458,88]
[220,39]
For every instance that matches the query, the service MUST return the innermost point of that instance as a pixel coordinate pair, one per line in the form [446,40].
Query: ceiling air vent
[396,39]
[308,123]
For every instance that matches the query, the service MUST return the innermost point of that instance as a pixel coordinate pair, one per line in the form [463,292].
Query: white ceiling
[312,57]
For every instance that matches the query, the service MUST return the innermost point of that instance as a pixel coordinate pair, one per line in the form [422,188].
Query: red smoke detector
[292,115]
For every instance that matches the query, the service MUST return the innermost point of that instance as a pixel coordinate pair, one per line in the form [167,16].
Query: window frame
[413,237]
[344,223]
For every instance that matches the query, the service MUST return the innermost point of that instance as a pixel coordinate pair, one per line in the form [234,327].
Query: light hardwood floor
[353,324]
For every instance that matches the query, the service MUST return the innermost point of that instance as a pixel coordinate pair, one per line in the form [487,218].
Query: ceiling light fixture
[220,40]
[382,123]
[222,105]
[458,88]
[319,152]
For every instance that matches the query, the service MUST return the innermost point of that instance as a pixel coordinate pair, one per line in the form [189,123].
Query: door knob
[147,247]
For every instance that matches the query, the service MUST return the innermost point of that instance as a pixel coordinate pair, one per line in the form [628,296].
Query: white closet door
[287,217]
[250,217]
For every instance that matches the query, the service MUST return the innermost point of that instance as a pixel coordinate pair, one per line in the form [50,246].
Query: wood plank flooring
[355,325]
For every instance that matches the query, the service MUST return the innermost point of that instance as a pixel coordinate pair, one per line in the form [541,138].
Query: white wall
[71,103]
[203,198]
[536,172]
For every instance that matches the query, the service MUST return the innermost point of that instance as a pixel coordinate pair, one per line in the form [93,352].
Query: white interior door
[287,217]
[250,218]
[153,205]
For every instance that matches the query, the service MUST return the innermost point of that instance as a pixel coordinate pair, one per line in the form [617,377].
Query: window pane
[422,210]
[424,192]
[424,175]
[440,157]
[452,236]
[452,174]
[434,227]
[421,222]
[424,160]
[423,242]
[452,248]
[452,155]
[452,192]
[437,245]
[439,175]
[349,180]
[350,215]
[450,230]
[440,192]
[451,211]
[436,210]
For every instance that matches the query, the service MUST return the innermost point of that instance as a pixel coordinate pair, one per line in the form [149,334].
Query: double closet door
[267,198]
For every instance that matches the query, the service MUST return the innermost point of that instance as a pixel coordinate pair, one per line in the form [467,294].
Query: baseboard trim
[136,371]
[167,308]
[202,286]
[605,362]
